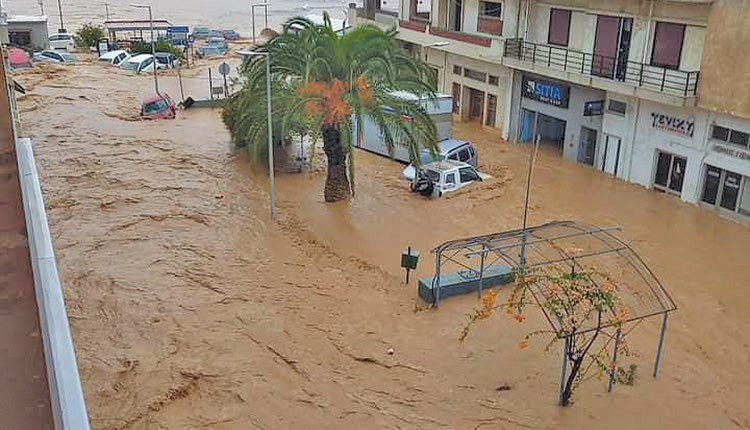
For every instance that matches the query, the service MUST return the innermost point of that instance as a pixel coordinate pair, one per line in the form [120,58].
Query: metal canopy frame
[574,246]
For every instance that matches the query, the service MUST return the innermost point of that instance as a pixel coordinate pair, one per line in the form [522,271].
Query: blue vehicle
[230,34]
[201,32]
[214,46]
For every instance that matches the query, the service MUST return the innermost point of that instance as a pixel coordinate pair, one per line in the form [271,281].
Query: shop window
[559,27]
[726,190]
[617,107]
[477,76]
[493,9]
[456,70]
[731,136]
[667,50]
[494,80]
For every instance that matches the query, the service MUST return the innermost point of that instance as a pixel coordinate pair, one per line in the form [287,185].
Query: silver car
[449,149]
[442,177]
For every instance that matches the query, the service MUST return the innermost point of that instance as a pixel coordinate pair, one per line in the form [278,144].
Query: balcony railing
[642,75]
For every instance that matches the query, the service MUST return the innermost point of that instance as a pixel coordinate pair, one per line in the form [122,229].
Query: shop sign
[545,91]
[732,152]
[675,124]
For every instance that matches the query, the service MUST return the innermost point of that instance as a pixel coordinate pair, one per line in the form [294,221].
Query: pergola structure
[560,246]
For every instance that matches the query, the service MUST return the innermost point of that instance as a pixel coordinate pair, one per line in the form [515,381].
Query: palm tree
[323,84]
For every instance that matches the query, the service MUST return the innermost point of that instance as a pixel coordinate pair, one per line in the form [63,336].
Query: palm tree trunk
[337,183]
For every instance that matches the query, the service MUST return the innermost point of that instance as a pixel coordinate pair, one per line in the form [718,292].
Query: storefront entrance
[726,190]
[551,131]
[670,173]
[611,156]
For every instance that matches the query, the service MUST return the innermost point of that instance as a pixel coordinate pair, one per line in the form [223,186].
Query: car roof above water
[442,166]
[112,54]
[448,145]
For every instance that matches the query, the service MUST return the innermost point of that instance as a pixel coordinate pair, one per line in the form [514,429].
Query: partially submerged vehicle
[141,63]
[449,149]
[158,106]
[114,58]
[214,46]
[166,60]
[62,41]
[18,58]
[58,57]
[442,177]
[230,34]
[201,32]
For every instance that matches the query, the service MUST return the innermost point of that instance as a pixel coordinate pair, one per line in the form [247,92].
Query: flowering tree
[581,305]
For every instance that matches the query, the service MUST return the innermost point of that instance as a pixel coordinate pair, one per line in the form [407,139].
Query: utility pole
[62,24]
[41,6]
[106,10]
[153,43]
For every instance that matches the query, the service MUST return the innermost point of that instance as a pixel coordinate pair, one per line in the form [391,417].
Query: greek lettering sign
[732,152]
[544,91]
[674,124]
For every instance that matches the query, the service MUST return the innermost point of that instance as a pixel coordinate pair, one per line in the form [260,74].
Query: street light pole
[270,129]
[252,9]
[62,25]
[106,10]
[41,6]
[153,43]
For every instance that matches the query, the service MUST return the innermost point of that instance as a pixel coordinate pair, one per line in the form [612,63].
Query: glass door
[730,191]
[723,190]
[670,173]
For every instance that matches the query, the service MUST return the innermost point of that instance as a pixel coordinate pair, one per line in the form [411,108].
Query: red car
[159,106]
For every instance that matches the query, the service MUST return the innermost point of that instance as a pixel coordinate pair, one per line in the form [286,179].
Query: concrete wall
[725,66]
[38,30]
[621,126]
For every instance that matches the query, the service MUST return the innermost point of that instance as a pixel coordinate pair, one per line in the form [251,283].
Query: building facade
[655,92]
[28,32]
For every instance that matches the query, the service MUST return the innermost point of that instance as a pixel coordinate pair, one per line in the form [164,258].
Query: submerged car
[201,32]
[18,58]
[141,63]
[158,106]
[449,149]
[61,41]
[114,58]
[54,57]
[166,60]
[230,34]
[213,46]
[441,177]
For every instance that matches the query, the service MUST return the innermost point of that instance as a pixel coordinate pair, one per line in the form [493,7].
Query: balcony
[661,84]
[460,36]
[381,18]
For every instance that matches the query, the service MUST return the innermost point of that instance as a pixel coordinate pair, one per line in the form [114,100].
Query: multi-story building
[656,92]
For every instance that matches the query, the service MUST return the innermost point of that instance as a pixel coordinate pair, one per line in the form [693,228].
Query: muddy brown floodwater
[191,311]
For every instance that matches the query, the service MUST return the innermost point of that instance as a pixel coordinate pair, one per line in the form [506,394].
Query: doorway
[611,156]
[456,15]
[476,105]
[611,47]
[587,146]
[551,131]
[528,123]
[20,38]
[670,173]
[456,98]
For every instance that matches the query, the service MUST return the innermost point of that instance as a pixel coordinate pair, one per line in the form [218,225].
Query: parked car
[158,106]
[449,149]
[442,177]
[114,58]
[215,33]
[18,58]
[54,57]
[230,34]
[140,63]
[201,32]
[166,60]
[61,41]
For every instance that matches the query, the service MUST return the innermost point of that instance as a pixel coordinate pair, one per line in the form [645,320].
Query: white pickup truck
[442,177]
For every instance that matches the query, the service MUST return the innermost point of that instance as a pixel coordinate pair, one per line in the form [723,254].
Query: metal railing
[651,77]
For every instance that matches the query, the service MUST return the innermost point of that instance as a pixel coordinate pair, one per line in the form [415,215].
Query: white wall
[621,126]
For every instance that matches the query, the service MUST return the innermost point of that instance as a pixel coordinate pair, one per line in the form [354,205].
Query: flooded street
[190,309]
